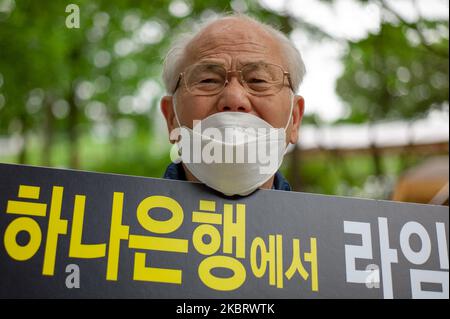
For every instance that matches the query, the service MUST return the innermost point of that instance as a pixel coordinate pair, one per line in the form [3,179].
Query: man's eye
[209,81]
[256,81]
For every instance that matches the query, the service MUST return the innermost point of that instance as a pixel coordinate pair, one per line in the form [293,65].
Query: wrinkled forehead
[234,41]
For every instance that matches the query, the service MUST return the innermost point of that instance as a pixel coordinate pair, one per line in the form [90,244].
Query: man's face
[233,43]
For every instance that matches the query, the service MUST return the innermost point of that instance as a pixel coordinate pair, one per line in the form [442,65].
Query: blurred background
[376,90]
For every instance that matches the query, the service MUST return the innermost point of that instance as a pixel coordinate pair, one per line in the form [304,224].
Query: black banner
[73,234]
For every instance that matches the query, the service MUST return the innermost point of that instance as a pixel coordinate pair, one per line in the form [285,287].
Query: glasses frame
[229,75]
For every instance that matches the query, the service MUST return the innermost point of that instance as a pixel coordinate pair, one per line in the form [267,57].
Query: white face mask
[233,152]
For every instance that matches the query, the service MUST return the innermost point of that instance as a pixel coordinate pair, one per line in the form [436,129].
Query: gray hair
[175,55]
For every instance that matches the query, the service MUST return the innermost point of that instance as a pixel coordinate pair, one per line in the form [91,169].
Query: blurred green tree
[88,98]
[401,72]
[102,79]
[392,75]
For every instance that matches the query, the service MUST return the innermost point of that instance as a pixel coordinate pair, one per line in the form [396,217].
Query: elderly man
[233,73]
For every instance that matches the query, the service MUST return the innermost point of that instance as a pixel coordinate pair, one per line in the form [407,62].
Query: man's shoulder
[280,183]
[175,171]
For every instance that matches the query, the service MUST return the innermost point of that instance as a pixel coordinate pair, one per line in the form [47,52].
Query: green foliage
[89,98]
[390,75]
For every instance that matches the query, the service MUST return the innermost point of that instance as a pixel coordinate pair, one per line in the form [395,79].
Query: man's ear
[169,114]
[297,115]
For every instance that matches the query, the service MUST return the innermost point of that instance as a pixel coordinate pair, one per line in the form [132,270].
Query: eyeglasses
[259,79]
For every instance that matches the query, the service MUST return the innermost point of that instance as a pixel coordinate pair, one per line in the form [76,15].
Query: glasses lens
[204,79]
[261,78]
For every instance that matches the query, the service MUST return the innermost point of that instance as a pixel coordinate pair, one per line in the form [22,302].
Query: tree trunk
[294,168]
[48,133]
[22,157]
[376,156]
[72,122]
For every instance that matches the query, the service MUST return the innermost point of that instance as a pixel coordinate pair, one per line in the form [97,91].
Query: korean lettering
[56,226]
[208,218]
[272,257]
[390,256]
[176,245]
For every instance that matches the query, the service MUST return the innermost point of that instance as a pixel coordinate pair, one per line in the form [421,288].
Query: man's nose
[234,97]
